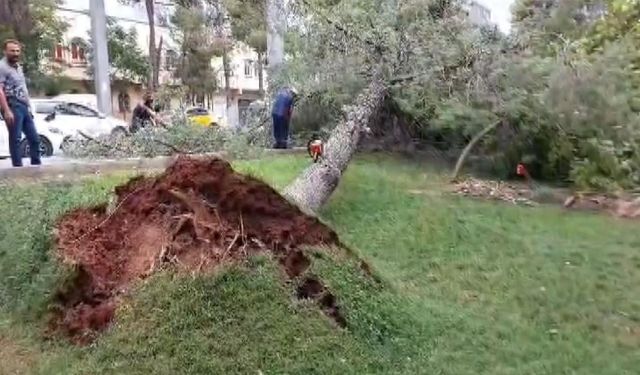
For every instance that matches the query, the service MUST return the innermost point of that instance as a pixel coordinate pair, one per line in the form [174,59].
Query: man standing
[15,106]
[281,114]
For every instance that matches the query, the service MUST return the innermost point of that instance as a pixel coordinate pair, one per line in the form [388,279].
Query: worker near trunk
[281,114]
[143,115]
[15,105]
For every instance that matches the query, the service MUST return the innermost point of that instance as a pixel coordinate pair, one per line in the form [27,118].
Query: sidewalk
[61,168]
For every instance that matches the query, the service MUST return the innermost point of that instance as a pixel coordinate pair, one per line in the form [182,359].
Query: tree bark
[158,58]
[467,150]
[260,74]
[276,21]
[226,66]
[16,16]
[315,185]
[151,16]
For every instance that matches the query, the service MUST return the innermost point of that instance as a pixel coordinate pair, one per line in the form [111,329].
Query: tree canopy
[128,62]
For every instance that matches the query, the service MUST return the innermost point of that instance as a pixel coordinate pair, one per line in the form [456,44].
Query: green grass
[468,288]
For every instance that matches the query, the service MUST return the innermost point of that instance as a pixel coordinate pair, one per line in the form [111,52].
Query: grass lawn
[468,288]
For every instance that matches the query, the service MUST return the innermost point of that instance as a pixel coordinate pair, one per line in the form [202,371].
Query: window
[171,60]
[58,52]
[124,102]
[46,107]
[77,53]
[197,112]
[248,68]
[73,109]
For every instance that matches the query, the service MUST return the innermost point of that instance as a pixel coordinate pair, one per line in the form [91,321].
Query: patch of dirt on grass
[312,288]
[15,358]
[196,215]
[495,190]
[622,206]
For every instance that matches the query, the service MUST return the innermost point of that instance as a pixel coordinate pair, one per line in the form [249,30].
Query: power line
[117,18]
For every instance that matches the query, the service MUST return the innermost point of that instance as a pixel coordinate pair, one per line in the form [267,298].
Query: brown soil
[195,216]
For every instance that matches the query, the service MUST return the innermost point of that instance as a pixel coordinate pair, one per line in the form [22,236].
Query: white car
[89,100]
[50,139]
[72,118]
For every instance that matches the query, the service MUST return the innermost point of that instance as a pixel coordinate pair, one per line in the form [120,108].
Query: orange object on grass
[315,149]
[521,170]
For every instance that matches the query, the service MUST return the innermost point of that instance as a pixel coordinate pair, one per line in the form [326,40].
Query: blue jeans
[23,123]
[280,131]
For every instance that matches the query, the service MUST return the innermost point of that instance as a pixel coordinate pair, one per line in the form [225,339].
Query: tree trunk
[158,58]
[16,16]
[467,150]
[260,74]
[226,66]
[151,16]
[276,21]
[16,21]
[315,185]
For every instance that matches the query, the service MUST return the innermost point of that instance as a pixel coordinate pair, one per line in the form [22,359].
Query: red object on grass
[315,148]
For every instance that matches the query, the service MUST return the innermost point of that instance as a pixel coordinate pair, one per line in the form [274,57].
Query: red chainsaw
[315,147]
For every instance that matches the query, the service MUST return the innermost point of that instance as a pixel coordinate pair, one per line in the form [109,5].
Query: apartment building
[478,14]
[71,58]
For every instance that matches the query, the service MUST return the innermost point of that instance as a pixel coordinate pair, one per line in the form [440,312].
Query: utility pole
[100,55]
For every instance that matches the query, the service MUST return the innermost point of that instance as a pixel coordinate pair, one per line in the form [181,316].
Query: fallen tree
[374,47]
[315,185]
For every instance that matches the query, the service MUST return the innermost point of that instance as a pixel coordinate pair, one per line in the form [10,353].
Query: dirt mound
[198,214]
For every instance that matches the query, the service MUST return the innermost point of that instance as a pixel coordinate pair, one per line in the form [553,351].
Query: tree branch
[172,147]
[405,78]
[105,145]
[467,149]
[342,29]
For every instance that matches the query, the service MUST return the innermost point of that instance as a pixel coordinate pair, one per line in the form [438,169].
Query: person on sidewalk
[15,105]
[281,114]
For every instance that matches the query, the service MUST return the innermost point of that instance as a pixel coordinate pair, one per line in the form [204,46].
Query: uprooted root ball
[196,215]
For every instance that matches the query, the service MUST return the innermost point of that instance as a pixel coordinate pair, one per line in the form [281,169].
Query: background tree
[549,20]
[249,26]
[127,61]
[192,30]
[155,48]
[36,24]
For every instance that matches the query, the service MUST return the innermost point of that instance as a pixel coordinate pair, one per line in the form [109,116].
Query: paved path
[53,160]
[59,167]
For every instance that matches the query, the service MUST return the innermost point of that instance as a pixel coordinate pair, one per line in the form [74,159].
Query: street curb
[79,168]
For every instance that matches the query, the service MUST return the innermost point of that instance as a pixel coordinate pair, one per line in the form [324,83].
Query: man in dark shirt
[281,114]
[15,105]
[143,115]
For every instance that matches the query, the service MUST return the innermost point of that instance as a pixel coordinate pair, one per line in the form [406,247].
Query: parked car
[88,100]
[51,139]
[201,116]
[72,118]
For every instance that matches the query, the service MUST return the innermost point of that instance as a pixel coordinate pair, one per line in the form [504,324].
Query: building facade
[70,58]
[478,14]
